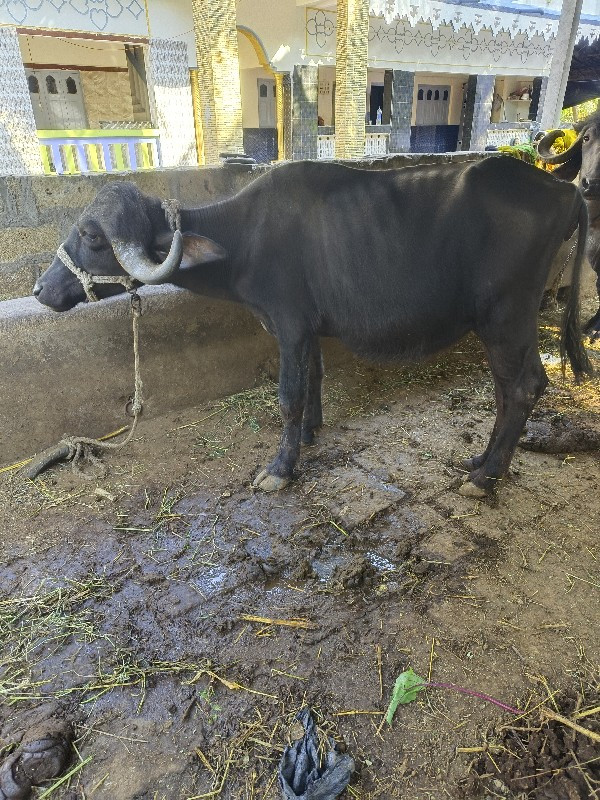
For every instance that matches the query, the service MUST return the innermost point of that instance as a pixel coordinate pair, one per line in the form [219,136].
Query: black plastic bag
[301,775]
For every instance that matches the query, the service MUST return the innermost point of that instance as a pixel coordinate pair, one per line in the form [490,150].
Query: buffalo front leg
[521,381]
[293,380]
[313,411]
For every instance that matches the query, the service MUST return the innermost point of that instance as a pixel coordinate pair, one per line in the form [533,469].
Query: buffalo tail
[571,344]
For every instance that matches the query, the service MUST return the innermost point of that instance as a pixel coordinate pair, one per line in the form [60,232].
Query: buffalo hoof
[43,754]
[469,489]
[269,483]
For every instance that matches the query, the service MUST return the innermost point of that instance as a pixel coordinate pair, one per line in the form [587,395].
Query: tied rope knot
[172,209]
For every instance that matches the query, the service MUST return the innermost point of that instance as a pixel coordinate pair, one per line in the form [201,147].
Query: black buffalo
[582,160]
[397,264]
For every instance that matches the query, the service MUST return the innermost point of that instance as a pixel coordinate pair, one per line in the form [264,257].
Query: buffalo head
[582,158]
[121,232]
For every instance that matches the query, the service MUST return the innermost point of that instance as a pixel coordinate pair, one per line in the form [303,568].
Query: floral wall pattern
[97,16]
[441,46]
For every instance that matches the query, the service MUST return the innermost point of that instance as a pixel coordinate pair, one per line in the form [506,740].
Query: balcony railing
[376,144]
[87,151]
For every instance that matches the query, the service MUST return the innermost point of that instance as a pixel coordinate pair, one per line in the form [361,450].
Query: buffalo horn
[136,263]
[546,143]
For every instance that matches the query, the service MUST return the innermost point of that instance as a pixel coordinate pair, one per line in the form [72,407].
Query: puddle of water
[323,568]
[379,562]
[210,581]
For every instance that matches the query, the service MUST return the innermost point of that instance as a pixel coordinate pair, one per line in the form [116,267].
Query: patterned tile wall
[169,87]
[304,112]
[19,146]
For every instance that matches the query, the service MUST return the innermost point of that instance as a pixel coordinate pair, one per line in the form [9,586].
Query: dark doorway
[376,101]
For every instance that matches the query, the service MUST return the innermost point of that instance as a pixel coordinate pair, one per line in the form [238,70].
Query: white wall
[172,19]
[124,18]
[279,24]
[74,52]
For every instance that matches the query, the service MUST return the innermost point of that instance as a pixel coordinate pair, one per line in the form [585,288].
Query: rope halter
[87,280]
[172,211]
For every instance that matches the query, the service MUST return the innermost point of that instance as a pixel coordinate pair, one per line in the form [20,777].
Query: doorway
[56,99]
[433,103]
[267,103]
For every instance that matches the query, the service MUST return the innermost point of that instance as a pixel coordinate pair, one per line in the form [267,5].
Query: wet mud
[178,620]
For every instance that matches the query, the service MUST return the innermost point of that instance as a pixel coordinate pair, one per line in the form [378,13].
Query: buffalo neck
[212,279]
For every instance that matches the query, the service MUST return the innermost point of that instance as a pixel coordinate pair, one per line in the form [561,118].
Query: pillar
[537,99]
[403,86]
[476,112]
[170,95]
[561,63]
[283,89]
[197,115]
[352,45]
[386,109]
[19,145]
[218,77]
[305,82]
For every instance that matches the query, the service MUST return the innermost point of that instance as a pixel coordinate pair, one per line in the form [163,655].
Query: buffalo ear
[569,170]
[200,250]
[196,249]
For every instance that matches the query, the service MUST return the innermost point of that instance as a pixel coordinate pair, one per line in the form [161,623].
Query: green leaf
[407,686]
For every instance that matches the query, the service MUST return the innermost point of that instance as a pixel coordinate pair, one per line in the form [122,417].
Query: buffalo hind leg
[473,463]
[293,380]
[313,411]
[521,380]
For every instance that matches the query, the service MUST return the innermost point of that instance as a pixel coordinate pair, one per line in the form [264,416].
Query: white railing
[499,136]
[376,144]
[85,151]
[326,146]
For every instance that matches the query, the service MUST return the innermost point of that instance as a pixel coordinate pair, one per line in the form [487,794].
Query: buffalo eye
[586,138]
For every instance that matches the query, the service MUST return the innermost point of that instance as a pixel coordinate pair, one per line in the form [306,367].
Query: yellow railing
[84,151]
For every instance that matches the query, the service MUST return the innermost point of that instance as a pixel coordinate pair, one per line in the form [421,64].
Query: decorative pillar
[476,112]
[171,98]
[403,86]
[19,145]
[283,90]
[561,63]
[219,77]
[305,82]
[197,115]
[537,99]
[352,46]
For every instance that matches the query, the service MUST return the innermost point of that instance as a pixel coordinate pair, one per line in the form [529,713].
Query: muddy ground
[126,598]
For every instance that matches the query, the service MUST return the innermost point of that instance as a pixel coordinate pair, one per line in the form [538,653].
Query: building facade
[113,85]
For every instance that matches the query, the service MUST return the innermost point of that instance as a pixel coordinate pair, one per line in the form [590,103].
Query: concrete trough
[73,372]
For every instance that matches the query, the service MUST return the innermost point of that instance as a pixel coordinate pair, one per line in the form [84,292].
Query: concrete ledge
[73,372]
